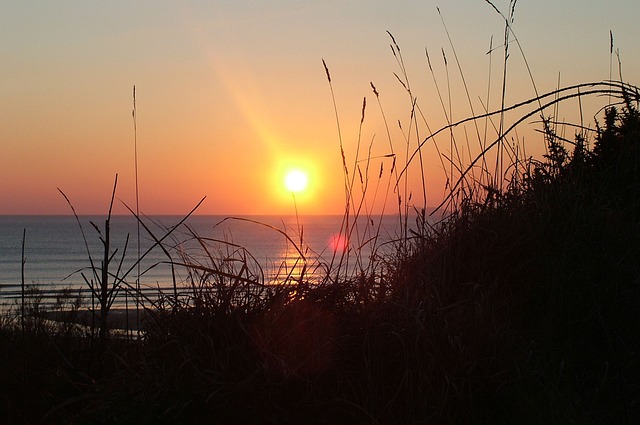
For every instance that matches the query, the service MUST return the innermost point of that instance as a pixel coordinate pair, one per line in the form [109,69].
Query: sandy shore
[118,318]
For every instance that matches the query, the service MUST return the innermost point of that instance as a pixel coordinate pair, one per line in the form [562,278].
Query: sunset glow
[232,95]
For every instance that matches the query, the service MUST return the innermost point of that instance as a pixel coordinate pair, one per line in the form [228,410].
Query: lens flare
[339,243]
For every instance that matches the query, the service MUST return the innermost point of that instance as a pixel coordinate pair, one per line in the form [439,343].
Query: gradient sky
[231,93]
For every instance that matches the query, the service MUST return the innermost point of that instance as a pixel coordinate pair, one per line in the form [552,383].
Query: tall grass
[518,306]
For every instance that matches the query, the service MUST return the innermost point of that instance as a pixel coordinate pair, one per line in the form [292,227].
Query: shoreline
[120,319]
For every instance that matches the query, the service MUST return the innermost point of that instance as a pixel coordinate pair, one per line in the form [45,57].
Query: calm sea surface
[56,256]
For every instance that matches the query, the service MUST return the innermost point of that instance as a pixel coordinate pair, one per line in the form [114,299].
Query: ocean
[56,255]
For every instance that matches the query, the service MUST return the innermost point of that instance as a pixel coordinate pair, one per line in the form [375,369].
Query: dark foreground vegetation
[519,307]
[522,308]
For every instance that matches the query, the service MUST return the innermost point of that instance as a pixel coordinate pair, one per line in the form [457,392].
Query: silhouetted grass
[519,306]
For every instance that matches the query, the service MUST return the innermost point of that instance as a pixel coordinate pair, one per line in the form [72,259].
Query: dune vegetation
[519,305]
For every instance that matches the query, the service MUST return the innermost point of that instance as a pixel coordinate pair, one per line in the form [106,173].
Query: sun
[296,181]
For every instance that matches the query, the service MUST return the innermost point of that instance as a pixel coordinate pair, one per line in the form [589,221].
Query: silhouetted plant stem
[22,310]
[135,147]
[104,282]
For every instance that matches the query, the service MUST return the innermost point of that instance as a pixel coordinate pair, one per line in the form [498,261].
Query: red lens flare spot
[339,243]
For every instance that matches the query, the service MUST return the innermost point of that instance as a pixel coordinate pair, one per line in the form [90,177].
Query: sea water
[54,252]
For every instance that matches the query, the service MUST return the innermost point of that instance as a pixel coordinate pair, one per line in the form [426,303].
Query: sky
[230,95]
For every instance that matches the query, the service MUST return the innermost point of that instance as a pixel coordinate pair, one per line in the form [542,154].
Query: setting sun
[304,179]
[296,181]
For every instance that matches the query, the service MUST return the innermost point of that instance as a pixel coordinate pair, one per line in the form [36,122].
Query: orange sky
[230,94]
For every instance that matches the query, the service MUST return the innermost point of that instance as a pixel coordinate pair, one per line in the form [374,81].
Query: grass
[518,307]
